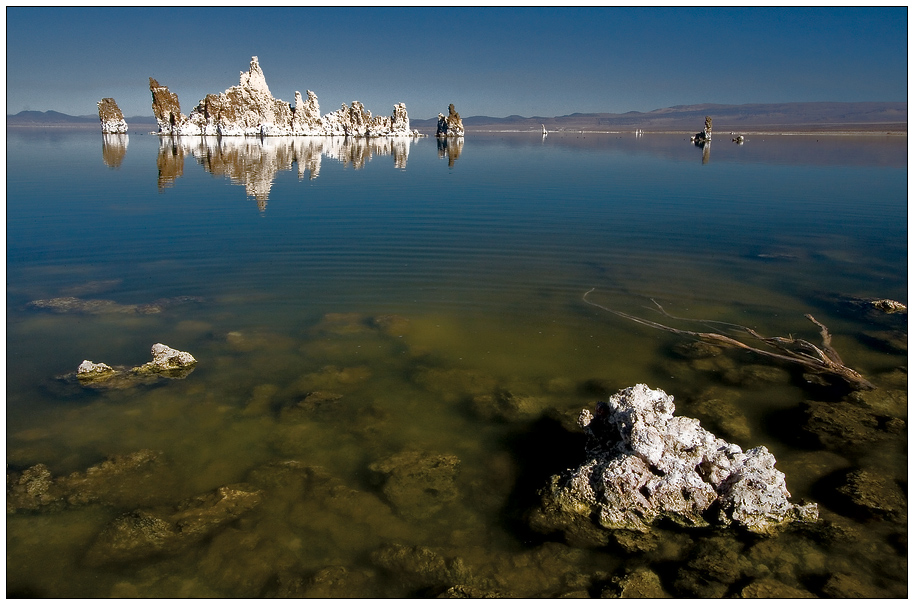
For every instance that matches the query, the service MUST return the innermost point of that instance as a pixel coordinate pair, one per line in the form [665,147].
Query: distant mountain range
[753,117]
[872,117]
[55,118]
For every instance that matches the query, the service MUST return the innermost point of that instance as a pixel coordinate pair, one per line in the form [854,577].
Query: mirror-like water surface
[393,348]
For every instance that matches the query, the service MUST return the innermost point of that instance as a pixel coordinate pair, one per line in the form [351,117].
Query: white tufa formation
[166,358]
[89,368]
[111,118]
[645,464]
[249,109]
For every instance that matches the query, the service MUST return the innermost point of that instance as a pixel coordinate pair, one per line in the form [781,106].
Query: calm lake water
[353,303]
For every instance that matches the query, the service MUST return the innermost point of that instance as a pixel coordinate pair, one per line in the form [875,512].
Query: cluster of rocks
[450,125]
[249,109]
[126,479]
[111,118]
[644,465]
[166,362]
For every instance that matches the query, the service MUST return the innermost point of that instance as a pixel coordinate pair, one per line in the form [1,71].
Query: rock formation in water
[145,533]
[166,362]
[450,125]
[121,480]
[643,464]
[249,109]
[111,117]
[705,135]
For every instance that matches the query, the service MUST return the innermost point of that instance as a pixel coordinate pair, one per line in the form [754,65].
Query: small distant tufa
[705,135]
[451,125]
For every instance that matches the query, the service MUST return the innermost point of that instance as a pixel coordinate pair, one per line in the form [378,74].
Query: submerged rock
[92,306]
[111,117]
[450,125]
[418,484]
[128,479]
[644,464]
[419,566]
[144,533]
[642,583]
[332,582]
[249,109]
[838,425]
[879,496]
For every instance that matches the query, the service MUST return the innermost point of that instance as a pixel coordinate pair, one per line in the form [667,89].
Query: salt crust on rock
[111,118]
[249,109]
[165,360]
[645,464]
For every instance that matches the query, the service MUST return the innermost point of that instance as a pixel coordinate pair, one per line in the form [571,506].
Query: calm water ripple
[361,308]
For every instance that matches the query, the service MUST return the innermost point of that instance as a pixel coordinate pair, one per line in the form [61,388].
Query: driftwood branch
[824,360]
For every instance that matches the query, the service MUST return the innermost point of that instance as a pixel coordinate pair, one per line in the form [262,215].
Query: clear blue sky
[487,61]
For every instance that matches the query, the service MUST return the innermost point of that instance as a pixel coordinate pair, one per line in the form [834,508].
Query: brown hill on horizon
[753,117]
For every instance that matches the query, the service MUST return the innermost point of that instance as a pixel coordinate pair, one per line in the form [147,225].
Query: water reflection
[705,150]
[450,148]
[114,148]
[254,162]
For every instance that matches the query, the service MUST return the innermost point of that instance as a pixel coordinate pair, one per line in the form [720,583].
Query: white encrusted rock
[644,464]
[249,109]
[166,358]
[111,118]
[89,368]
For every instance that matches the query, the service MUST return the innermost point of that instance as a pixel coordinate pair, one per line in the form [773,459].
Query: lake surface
[360,308]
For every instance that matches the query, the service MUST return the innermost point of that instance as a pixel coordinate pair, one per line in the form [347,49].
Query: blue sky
[487,61]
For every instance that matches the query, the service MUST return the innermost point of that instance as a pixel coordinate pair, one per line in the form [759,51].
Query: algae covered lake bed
[393,348]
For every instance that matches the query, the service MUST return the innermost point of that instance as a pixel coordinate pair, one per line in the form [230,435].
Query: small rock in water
[166,358]
[890,306]
[89,368]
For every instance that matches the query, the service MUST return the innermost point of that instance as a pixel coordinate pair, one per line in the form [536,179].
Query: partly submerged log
[824,360]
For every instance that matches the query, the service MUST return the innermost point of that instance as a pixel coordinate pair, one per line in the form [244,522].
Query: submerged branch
[823,360]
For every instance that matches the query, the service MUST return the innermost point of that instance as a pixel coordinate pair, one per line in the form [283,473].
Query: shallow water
[417,287]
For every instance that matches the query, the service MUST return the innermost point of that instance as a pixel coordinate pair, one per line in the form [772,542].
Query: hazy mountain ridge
[866,116]
[55,118]
[818,116]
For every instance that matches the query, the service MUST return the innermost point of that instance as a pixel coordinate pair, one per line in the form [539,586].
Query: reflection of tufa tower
[114,148]
[253,162]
